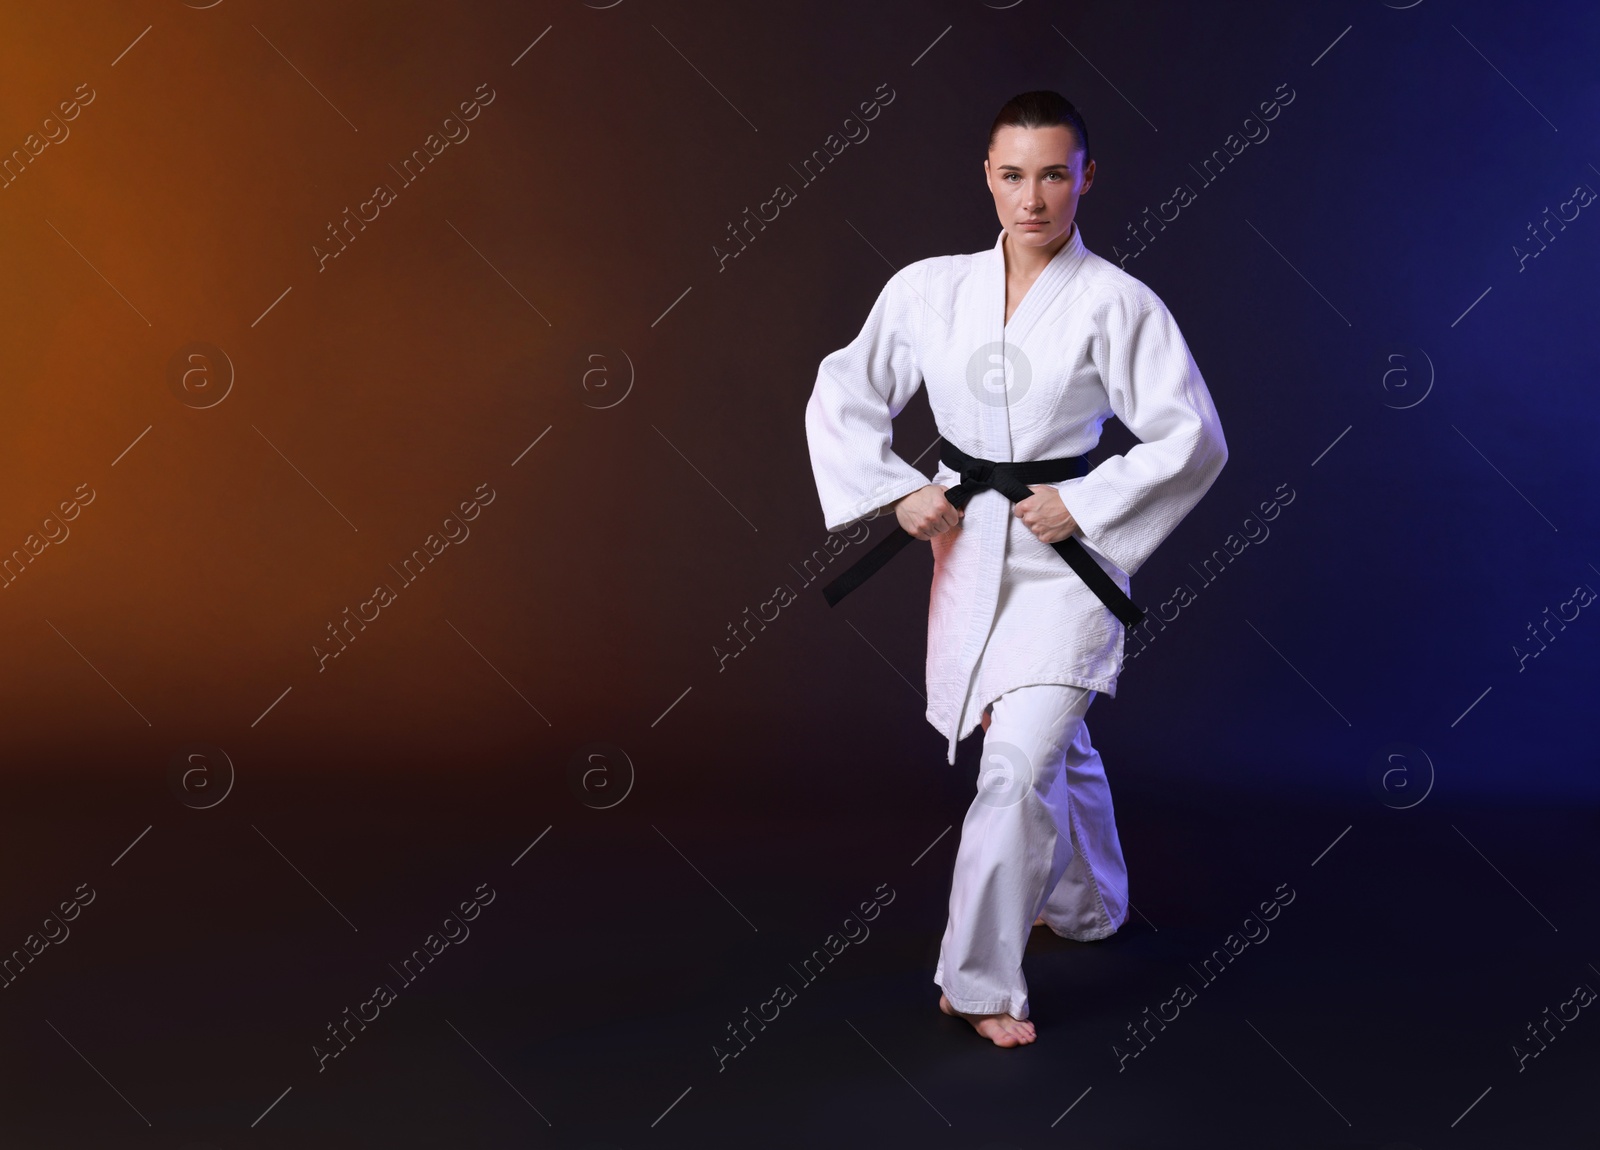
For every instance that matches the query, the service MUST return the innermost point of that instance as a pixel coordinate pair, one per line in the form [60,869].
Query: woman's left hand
[1045,515]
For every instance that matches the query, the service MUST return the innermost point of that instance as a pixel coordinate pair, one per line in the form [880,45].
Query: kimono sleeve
[1129,503]
[859,390]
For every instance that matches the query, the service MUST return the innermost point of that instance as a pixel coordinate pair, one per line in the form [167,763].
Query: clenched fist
[926,512]
[1044,514]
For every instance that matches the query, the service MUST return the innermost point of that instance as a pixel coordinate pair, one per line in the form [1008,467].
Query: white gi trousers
[1040,838]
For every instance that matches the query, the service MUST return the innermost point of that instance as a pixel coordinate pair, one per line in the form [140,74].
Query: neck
[1031,261]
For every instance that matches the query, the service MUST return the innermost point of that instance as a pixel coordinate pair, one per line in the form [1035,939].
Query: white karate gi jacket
[1088,341]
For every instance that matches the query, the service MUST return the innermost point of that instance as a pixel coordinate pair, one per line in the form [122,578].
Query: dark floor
[588,1003]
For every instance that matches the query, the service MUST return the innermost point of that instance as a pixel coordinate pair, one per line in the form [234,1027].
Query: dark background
[1352,287]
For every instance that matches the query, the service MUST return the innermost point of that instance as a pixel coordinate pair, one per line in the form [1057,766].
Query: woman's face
[1036,176]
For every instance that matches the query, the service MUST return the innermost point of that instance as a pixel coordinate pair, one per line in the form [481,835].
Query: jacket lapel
[1061,268]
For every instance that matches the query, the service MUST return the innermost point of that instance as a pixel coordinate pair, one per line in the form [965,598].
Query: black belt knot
[1011,480]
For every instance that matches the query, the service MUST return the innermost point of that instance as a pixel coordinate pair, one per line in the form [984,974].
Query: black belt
[1010,480]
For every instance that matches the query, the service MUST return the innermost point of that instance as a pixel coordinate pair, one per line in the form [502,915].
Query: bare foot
[1001,1029]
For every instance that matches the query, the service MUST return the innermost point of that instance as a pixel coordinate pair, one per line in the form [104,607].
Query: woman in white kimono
[1026,350]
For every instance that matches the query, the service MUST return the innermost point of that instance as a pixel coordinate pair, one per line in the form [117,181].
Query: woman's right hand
[926,512]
